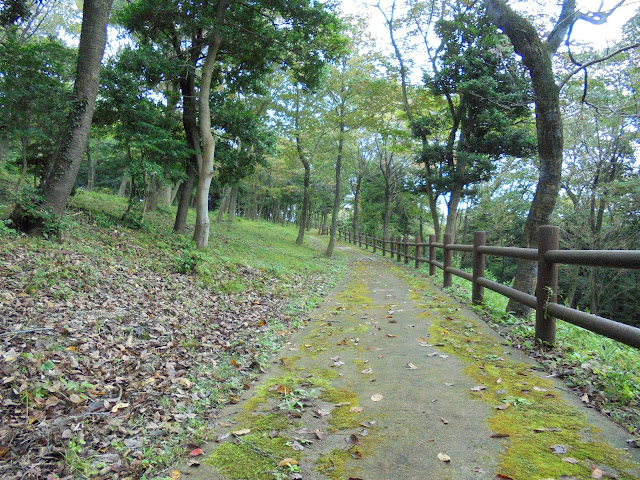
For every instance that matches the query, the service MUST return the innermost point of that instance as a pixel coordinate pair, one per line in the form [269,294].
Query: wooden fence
[547,255]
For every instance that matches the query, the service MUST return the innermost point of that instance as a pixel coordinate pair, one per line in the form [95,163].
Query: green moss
[254,457]
[531,404]
[333,463]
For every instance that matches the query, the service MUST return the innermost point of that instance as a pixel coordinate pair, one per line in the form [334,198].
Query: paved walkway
[392,379]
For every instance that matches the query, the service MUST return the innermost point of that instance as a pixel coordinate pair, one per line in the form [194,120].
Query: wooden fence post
[416,251]
[374,240]
[384,246]
[547,285]
[432,255]
[406,250]
[448,259]
[360,240]
[366,242]
[399,248]
[477,291]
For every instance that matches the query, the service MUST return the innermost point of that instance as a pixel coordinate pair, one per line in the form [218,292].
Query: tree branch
[598,60]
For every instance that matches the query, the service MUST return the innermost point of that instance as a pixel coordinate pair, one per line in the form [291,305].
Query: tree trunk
[205,164]
[536,56]
[233,202]
[91,171]
[452,211]
[224,202]
[356,205]
[57,186]
[25,165]
[184,198]
[153,192]
[124,183]
[337,198]
[4,149]
[386,215]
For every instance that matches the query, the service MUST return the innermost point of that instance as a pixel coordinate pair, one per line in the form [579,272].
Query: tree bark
[184,198]
[337,198]
[25,164]
[224,202]
[233,203]
[205,164]
[122,190]
[57,186]
[304,214]
[91,171]
[536,56]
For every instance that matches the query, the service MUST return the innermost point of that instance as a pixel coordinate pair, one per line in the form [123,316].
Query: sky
[599,36]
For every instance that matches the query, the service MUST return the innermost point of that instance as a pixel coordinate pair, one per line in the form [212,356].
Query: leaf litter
[110,360]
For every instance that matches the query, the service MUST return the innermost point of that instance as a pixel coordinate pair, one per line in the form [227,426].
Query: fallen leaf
[542,430]
[411,366]
[287,462]
[445,421]
[196,452]
[499,435]
[367,371]
[119,406]
[479,388]
[558,449]
[443,457]
[504,406]
[75,398]
[570,460]
[377,397]
[500,476]
[585,398]
[356,409]
[241,432]
[391,335]
[282,390]
[323,412]
[174,474]
[352,439]
[193,462]
[356,455]
[320,435]
[539,389]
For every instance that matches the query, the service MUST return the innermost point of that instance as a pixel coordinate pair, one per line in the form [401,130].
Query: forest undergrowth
[118,345]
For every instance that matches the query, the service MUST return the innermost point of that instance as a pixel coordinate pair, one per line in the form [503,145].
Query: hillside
[116,338]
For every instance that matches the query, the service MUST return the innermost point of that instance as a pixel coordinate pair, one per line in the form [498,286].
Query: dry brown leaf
[570,460]
[355,409]
[443,457]
[287,462]
[241,432]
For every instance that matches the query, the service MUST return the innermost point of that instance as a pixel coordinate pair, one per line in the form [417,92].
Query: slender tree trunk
[233,204]
[4,149]
[205,165]
[184,198]
[337,199]
[57,186]
[91,171]
[452,210]
[356,205]
[124,183]
[224,202]
[304,214]
[386,215]
[25,165]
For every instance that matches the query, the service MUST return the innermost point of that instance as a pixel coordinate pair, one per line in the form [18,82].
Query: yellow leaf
[174,474]
[244,431]
[286,462]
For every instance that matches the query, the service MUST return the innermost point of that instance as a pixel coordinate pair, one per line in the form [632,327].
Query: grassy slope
[229,306]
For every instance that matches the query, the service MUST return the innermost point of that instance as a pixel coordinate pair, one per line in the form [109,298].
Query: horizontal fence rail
[548,256]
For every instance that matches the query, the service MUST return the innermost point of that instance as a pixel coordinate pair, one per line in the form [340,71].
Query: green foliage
[30,203]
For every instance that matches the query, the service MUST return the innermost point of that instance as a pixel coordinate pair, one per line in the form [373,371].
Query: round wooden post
[399,249]
[432,254]
[360,240]
[374,240]
[366,242]
[416,251]
[384,246]
[406,250]
[547,285]
[477,291]
[448,259]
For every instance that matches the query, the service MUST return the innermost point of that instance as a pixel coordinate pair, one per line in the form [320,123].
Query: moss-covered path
[392,379]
